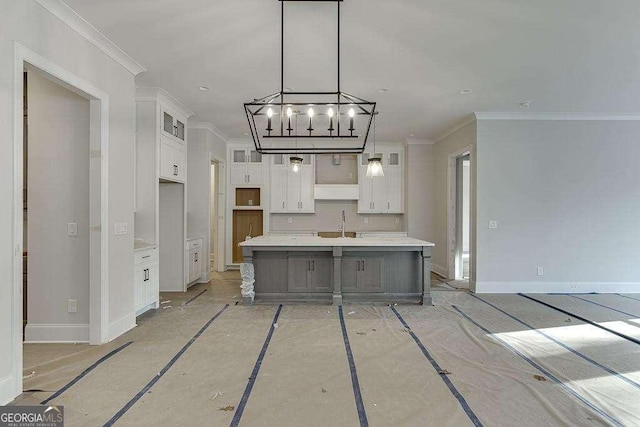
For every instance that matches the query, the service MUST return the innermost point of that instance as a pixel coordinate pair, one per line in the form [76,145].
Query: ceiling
[570,56]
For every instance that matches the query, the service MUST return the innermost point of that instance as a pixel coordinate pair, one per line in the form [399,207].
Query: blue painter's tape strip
[194,297]
[541,369]
[362,414]
[254,373]
[592,323]
[625,296]
[563,345]
[467,409]
[164,370]
[605,306]
[85,372]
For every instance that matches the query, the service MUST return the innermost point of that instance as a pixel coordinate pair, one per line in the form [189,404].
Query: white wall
[566,195]
[58,193]
[29,24]
[201,146]
[420,173]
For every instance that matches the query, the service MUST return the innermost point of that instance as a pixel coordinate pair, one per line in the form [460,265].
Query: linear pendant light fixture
[335,121]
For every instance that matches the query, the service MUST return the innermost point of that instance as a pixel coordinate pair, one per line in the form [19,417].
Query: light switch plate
[540,271]
[121,228]
[366,220]
[493,224]
[289,220]
[72,229]
[72,306]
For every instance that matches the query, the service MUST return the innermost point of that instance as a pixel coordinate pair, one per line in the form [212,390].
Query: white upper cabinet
[292,192]
[173,125]
[246,167]
[382,194]
[172,160]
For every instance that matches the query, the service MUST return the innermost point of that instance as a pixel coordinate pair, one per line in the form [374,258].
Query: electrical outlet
[121,228]
[540,271]
[72,229]
[289,220]
[350,175]
[72,306]
[397,220]
[493,224]
[366,220]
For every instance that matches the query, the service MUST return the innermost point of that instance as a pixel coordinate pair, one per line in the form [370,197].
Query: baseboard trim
[121,326]
[7,392]
[556,287]
[35,333]
[439,270]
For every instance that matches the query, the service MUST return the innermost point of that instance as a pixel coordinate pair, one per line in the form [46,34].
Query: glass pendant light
[374,167]
[295,161]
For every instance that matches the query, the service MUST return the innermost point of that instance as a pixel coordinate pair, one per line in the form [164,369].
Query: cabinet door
[179,164]
[191,265]
[365,185]
[166,159]
[298,274]
[150,286]
[239,156]
[321,274]
[293,191]
[197,263]
[168,123]
[254,174]
[307,183]
[278,189]
[378,193]
[370,274]
[394,190]
[138,286]
[180,130]
[238,175]
[349,274]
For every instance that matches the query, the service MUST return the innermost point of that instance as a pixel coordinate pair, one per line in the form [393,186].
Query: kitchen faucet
[342,226]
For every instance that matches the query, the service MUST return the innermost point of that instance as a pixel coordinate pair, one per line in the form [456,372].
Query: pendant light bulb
[295,163]
[330,112]
[310,112]
[269,112]
[289,112]
[374,165]
[352,113]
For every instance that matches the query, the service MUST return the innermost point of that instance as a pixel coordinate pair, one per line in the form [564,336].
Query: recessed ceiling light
[288,89]
[383,90]
[412,135]
[465,91]
[203,88]
[526,104]
[246,134]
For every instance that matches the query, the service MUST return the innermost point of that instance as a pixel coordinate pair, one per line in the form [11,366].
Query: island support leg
[337,276]
[426,275]
[248,276]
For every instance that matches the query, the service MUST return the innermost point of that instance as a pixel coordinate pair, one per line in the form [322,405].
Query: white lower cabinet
[146,283]
[194,260]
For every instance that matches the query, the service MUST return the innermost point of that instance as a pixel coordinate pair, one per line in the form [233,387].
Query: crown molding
[157,93]
[70,17]
[557,116]
[210,127]
[455,128]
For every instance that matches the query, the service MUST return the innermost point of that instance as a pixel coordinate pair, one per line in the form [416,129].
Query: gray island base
[337,270]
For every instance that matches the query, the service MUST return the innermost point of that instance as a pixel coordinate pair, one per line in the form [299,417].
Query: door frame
[220,183]
[99,197]
[452,184]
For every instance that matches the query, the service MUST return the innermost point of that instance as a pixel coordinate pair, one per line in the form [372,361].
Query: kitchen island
[317,269]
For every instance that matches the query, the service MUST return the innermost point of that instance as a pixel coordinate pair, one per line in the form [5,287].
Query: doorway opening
[213,220]
[460,233]
[463,209]
[217,225]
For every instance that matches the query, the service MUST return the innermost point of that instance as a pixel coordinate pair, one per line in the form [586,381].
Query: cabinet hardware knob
[358,262]
[313,263]
[362,265]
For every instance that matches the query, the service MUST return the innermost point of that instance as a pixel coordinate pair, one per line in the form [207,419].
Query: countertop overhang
[313,241]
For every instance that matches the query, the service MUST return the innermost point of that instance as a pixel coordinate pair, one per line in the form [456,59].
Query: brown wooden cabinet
[245,223]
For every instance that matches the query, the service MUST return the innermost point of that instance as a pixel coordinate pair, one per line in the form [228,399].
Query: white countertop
[141,245]
[323,241]
[190,238]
